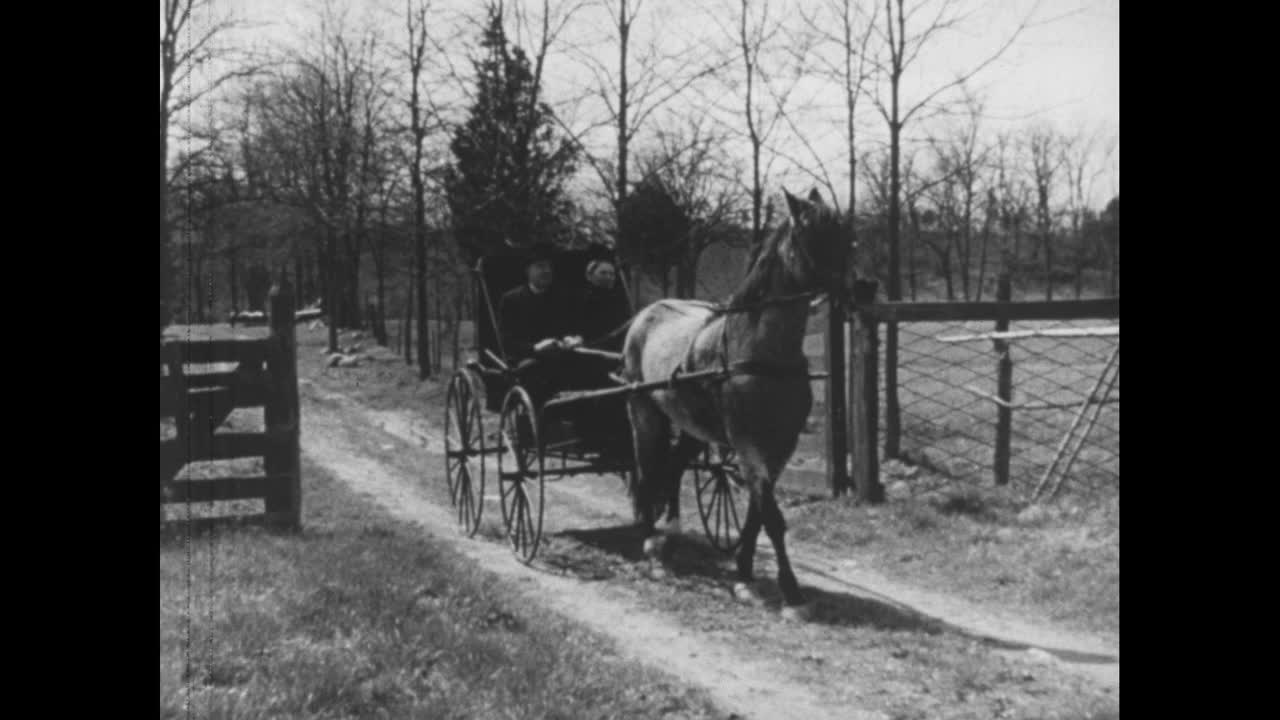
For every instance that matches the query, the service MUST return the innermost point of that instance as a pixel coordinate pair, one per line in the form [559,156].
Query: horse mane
[763,261]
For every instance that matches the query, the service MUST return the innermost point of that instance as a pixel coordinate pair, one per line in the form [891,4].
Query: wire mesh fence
[950,402]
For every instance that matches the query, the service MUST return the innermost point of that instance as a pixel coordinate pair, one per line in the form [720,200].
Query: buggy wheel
[464,451]
[520,473]
[722,498]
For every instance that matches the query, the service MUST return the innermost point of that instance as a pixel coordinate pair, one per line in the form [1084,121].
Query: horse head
[821,242]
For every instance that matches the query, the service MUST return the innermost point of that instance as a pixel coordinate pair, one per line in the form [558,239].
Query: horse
[758,407]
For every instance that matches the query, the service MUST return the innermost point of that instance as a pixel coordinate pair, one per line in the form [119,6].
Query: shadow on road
[618,550]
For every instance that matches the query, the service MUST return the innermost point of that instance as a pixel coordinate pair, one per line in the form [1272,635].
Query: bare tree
[1045,157]
[308,136]
[1084,156]
[845,27]
[1013,197]
[764,93]
[647,77]
[914,186]
[694,167]
[416,27]
[903,49]
[961,160]
[189,43]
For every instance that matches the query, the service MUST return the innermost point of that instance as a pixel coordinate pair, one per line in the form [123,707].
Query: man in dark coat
[530,314]
[533,323]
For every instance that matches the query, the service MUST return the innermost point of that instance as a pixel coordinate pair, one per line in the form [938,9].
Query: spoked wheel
[722,498]
[520,478]
[464,451]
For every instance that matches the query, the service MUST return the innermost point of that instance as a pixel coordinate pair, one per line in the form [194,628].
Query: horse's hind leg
[651,436]
[687,448]
[794,605]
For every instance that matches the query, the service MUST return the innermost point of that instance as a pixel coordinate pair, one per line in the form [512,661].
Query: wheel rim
[464,453]
[520,478]
[719,494]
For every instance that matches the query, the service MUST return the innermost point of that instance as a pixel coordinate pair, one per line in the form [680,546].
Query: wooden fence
[873,430]
[252,373]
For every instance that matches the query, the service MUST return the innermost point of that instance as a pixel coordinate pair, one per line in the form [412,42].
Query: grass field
[361,616]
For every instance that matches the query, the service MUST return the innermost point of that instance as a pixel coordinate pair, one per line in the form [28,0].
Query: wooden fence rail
[264,374]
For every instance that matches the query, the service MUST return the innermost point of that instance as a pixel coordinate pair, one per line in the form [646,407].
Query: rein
[767,302]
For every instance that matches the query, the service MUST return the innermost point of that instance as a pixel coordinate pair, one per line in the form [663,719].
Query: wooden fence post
[892,409]
[865,393]
[283,459]
[1004,387]
[837,432]
[173,453]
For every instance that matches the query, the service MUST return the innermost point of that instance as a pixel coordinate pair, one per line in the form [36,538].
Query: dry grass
[361,617]
[1062,565]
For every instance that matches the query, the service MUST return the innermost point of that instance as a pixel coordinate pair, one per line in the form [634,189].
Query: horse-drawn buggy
[719,389]
[527,418]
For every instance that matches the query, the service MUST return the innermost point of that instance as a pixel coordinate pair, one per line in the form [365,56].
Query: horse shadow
[692,560]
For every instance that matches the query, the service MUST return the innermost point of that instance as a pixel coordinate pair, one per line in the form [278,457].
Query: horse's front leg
[745,589]
[754,474]
[795,606]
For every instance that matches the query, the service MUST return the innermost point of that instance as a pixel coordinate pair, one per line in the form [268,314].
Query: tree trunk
[1114,283]
[380,313]
[197,282]
[1048,267]
[944,259]
[355,319]
[457,326]
[406,323]
[297,278]
[966,253]
[331,286]
[982,256]
[424,337]
[436,345]
[233,282]
[693,273]
[912,249]
[166,269]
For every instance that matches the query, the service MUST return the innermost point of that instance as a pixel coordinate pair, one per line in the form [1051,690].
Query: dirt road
[877,649]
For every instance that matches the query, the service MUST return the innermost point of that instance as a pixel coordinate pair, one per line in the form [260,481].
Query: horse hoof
[798,613]
[658,571]
[653,546]
[747,593]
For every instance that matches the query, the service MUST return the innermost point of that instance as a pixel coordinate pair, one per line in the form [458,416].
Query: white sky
[1064,72]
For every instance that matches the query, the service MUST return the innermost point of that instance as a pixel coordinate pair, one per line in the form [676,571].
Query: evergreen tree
[506,180]
[653,229]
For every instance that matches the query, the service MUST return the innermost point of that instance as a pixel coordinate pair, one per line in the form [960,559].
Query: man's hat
[600,251]
[537,252]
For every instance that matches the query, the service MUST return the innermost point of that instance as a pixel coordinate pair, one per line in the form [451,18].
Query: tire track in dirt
[595,498]
[746,686]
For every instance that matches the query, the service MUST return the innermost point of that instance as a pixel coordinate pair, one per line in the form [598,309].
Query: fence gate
[201,383]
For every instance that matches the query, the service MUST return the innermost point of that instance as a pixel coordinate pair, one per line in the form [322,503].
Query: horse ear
[815,197]
[794,204]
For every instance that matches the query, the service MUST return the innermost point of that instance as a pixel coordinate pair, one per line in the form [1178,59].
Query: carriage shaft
[565,398]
